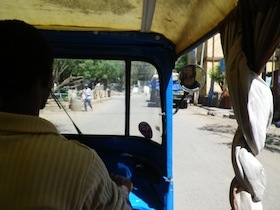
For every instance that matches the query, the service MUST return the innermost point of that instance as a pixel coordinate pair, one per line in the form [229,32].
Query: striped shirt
[40,169]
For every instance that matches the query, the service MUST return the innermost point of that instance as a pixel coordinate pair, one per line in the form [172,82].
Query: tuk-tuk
[132,136]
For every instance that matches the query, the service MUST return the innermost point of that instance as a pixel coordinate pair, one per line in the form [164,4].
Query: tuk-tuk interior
[155,32]
[125,151]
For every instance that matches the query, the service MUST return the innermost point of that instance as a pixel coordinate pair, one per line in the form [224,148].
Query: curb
[214,111]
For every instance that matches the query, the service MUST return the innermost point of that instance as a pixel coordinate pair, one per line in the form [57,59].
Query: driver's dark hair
[25,55]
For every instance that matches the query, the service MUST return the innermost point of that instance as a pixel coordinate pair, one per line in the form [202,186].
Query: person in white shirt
[87,97]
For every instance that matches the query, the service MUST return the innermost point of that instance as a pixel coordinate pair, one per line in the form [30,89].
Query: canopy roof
[183,22]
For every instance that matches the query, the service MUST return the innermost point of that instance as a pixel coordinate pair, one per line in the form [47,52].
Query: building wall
[213,55]
[209,55]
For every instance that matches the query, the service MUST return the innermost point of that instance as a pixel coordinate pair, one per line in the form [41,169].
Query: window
[107,91]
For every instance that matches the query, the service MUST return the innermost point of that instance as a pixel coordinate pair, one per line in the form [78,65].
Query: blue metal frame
[159,51]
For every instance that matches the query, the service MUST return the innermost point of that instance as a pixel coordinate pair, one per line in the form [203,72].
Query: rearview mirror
[192,78]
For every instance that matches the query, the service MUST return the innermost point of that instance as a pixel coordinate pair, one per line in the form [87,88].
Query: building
[210,54]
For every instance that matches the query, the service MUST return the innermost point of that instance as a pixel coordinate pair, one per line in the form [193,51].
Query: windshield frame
[131,46]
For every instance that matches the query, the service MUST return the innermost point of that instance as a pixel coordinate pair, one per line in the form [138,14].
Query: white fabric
[87,93]
[249,171]
[244,202]
[251,99]
[253,107]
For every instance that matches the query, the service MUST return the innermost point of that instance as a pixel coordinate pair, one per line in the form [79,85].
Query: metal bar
[62,107]
[127,95]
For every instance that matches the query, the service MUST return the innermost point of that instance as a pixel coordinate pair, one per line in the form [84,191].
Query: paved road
[202,142]
[109,117]
[202,165]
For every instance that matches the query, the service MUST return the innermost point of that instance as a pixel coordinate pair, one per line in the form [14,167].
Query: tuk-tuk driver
[39,168]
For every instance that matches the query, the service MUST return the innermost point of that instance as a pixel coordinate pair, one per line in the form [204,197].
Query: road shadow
[272,142]
[228,144]
[152,104]
[222,129]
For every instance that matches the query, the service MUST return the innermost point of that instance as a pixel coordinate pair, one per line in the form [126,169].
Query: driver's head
[25,62]
[25,55]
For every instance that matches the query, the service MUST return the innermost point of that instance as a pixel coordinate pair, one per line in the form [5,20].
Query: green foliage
[100,71]
[63,68]
[96,71]
[182,61]
[141,71]
[217,76]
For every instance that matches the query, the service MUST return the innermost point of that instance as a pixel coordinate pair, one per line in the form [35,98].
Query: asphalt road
[202,165]
[201,151]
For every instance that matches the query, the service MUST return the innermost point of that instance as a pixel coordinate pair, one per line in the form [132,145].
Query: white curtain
[247,48]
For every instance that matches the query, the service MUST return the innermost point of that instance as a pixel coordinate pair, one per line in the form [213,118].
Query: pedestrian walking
[87,97]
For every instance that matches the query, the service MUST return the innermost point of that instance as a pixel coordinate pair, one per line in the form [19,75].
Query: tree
[182,61]
[62,72]
[70,72]
[100,71]
[217,76]
[141,71]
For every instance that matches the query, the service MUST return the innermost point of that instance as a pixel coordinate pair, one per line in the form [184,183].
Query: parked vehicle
[179,95]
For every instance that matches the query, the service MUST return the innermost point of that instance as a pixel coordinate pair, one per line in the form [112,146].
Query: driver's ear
[47,79]
[46,87]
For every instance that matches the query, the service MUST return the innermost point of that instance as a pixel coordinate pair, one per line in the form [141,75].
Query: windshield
[101,98]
